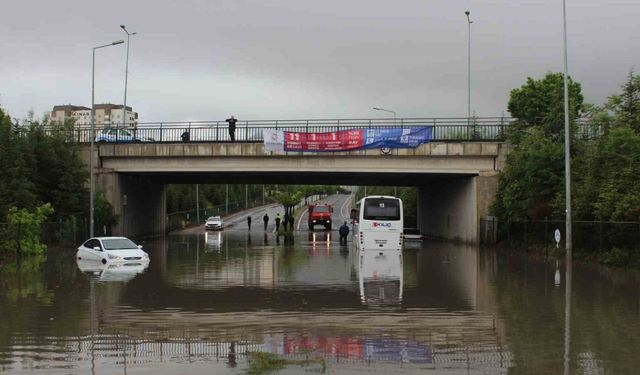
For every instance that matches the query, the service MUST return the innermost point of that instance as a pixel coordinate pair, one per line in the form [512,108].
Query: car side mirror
[97,248]
[139,246]
[331,209]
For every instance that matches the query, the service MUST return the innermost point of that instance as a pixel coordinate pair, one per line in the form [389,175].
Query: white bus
[378,223]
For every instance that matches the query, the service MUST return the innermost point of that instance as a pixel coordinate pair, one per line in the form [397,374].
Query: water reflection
[380,277]
[567,316]
[213,240]
[449,308]
[111,271]
[319,242]
[356,349]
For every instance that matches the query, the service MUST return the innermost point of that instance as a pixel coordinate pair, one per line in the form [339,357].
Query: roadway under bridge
[456,181]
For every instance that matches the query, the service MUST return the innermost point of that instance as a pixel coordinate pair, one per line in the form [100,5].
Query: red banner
[339,141]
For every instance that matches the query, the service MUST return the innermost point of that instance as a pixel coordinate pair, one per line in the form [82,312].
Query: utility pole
[126,79]
[567,141]
[469,69]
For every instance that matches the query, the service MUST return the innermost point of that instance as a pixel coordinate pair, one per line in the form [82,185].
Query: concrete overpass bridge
[456,174]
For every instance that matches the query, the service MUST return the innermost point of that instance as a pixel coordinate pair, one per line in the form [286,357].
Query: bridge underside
[456,182]
[449,204]
[302,178]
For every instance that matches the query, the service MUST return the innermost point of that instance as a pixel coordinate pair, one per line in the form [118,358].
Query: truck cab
[320,214]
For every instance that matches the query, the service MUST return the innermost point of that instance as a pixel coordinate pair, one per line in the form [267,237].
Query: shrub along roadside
[22,236]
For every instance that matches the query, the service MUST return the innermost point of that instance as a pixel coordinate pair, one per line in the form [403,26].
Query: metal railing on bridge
[444,129]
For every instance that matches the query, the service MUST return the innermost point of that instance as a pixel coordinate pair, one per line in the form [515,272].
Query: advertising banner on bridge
[346,140]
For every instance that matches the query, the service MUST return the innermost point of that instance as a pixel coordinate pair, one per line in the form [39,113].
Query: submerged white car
[112,250]
[213,223]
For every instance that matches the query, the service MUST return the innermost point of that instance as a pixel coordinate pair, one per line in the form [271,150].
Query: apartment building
[105,115]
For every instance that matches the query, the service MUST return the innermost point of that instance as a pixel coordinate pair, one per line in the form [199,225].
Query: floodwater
[206,301]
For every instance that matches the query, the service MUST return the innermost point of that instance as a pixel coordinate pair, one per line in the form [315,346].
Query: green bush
[23,235]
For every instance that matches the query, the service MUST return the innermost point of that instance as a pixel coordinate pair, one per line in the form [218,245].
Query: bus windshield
[381,209]
[321,209]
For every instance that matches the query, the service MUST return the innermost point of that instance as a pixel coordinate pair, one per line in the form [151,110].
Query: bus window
[381,209]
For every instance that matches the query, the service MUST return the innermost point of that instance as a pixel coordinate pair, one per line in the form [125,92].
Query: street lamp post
[469,68]
[92,136]
[126,78]
[395,188]
[387,110]
[567,144]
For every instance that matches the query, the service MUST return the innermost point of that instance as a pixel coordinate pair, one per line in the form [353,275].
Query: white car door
[95,254]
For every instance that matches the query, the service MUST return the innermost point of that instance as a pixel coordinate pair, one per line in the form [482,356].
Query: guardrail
[444,129]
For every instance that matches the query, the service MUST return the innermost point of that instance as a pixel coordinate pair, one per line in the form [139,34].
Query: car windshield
[321,209]
[214,218]
[119,244]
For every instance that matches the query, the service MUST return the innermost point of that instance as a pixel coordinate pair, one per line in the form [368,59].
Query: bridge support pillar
[139,203]
[451,209]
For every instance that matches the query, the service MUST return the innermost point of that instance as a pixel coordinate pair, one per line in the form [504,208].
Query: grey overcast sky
[296,59]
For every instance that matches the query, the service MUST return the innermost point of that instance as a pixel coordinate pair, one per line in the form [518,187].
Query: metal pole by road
[197,205]
[92,136]
[469,68]
[395,188]
[126,78]
[567,141]
[226,200]
[246,196]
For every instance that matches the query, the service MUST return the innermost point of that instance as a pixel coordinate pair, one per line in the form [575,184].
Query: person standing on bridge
[232,127]
[249,221]
[265,218]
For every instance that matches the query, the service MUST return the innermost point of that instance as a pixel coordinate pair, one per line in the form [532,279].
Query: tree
[24,225]
[626,105]
[619,197]
[15,187]
[289,199]
[532,180]
[532,184]
[541,103]
[58,174]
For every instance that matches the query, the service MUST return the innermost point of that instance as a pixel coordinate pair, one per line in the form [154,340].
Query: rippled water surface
[206,301]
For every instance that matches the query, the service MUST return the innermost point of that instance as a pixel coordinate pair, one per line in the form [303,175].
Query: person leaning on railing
[232,127]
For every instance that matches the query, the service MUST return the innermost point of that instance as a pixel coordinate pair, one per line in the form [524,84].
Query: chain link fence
[183,219]
[591,236]
[67,232]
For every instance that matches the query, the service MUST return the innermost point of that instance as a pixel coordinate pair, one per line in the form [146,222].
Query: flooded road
[208,299]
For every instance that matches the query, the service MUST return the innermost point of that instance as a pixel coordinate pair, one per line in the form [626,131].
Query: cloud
[302,59]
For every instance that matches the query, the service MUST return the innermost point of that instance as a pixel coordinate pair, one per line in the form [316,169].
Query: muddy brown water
[206,301]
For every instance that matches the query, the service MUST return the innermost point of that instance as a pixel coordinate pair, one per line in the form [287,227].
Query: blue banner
[397,137]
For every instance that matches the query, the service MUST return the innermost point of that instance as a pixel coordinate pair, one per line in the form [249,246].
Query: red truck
[320,214]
